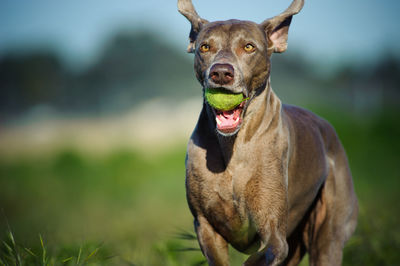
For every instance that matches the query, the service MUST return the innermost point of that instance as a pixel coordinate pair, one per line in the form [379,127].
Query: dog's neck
[263,111]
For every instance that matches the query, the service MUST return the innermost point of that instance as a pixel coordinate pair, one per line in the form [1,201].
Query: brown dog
[270,179]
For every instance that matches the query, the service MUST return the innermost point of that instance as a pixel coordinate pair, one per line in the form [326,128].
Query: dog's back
[316,144]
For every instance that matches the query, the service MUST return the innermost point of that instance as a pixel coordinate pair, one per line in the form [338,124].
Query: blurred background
[98,100]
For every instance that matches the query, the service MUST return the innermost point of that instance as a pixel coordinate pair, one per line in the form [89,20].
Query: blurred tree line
[131,68]
[135,66]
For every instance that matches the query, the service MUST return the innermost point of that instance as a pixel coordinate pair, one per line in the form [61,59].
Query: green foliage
[133,202]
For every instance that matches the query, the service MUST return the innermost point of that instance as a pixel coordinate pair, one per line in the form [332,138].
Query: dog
[270,179]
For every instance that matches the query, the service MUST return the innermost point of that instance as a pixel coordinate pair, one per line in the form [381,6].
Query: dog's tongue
[227,120]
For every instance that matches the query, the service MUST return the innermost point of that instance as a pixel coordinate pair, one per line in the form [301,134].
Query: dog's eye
[249,48]
[204,48]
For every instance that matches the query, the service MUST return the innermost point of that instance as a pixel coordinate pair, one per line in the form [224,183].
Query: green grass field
[129,207]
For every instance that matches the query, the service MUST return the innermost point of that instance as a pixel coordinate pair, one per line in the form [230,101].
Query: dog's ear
[277,28]
[186,8]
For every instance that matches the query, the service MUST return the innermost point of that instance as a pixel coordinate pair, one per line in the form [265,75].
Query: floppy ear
[277,28]
[186,8]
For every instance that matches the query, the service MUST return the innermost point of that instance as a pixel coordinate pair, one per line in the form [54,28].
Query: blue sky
[335,31]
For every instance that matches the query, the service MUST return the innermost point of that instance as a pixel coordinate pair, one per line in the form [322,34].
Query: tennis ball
[223,100]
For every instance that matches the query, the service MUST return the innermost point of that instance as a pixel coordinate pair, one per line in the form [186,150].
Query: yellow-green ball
[223,100]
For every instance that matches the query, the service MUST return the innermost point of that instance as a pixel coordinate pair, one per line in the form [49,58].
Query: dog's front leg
[267,205]
[212,244]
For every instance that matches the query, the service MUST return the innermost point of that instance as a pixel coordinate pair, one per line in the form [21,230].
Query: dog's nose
[222,74]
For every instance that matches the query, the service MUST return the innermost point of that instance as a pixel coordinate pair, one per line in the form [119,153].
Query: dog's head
[235,55]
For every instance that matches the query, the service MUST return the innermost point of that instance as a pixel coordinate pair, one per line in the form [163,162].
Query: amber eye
[204,48]
[249,48]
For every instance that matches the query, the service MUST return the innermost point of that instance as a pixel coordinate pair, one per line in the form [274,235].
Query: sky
[328,30]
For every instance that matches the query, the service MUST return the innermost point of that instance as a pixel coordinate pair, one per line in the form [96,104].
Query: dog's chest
[223,198]
[222,202]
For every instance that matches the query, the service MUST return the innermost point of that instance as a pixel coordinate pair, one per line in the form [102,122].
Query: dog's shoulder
[306,120]
[306,116]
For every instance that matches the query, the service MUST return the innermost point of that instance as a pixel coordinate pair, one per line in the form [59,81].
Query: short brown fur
[280,185]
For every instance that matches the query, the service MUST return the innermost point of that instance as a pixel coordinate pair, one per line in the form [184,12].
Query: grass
[16,254]
[129,208]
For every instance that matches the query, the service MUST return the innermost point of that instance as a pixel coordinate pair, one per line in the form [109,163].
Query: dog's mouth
[229,122]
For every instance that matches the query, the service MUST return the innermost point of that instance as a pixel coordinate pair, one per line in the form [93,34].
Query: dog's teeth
[237,120]
[218,121]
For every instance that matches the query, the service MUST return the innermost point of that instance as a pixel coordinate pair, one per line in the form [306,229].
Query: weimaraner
[268,178]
